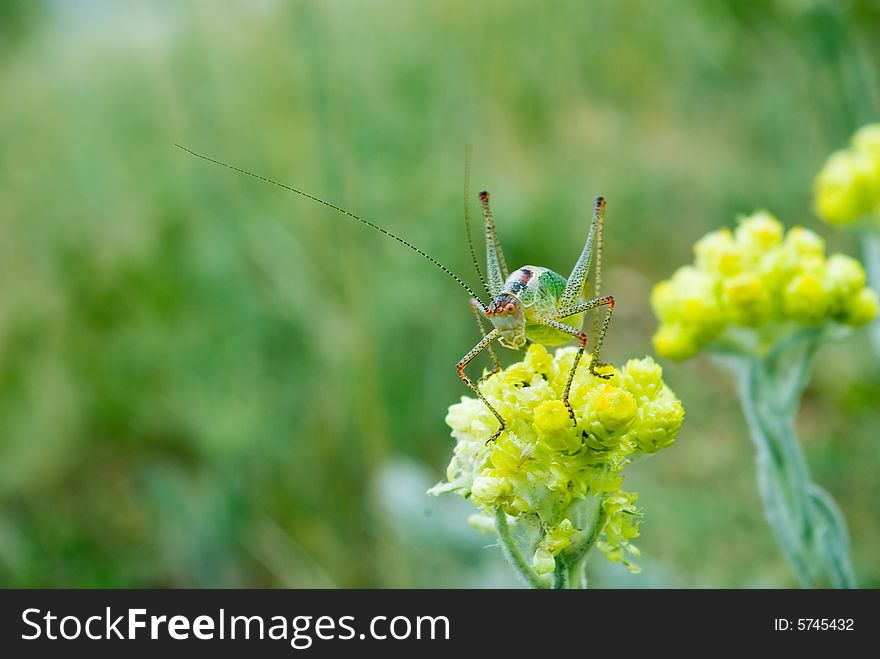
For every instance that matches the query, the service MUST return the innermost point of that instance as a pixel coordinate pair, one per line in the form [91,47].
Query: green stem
[574,557]
[808,525]
[512,553]
[871,246]
[560,574]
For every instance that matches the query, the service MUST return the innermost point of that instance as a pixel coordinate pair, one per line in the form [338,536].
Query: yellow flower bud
[803,242]
[689,295]
[489,490]
[509,454]
[657,422]
[563,441]
[538,359]
[554,426]
[565,481]
[689,311]
[612,553]
[463,416]
[517,375]
[621,527]
[845,276]
[675,341]
[516,507]
[551,416]
[806,299]
[717,252]
[843,187]
[609,410]
[558,537]
[861,308]
[867,142]
[746,299]
[615,408]
[543,561]
[664,300]
[643,378]
[758,233]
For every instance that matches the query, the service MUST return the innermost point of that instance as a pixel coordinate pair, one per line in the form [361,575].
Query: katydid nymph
[531,303]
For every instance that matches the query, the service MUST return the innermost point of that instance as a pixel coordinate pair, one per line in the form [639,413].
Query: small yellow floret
[558,537]
[845,275]
[615,408]
[543,561]
[675,341]
[551,416]
[803,242]
[843,189]
[759,232]
[806,299]
[746,299]
[862,308]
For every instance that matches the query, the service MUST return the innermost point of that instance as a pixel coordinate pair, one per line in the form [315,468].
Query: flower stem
[560,575]
[808,525]
[574,558]
[512,553]
[871,246]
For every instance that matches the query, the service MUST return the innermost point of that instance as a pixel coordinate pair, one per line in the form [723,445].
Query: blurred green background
[205,381]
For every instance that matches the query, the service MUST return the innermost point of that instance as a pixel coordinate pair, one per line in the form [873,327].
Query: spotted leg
[479,310]
[467,359]
[581,336]
[599,336]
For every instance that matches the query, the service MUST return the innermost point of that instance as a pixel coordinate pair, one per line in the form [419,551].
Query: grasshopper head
[506,314]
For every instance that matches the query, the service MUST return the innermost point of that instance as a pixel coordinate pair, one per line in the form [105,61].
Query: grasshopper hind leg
[599,332]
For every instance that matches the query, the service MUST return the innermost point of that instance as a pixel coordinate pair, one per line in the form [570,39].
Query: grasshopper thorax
[506,314]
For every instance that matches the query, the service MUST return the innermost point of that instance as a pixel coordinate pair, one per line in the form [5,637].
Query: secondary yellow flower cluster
[542,466]
[848,186]
[757,277]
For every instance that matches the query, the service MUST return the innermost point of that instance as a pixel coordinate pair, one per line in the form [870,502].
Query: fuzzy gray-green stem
[808,525]
[560,575]
[871,246]
[512,553]
[575,556]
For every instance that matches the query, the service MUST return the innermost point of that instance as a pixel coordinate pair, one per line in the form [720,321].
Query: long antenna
[338,209]
[599,213]
[467,218]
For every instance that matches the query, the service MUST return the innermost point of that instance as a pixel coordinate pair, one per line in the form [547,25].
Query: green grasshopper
[528,304]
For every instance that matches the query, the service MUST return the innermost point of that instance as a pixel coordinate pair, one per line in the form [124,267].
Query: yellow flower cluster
[848,186]
[542,466]
[757,277]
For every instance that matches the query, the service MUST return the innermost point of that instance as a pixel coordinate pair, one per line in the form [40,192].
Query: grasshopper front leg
[467,359]
[478,310]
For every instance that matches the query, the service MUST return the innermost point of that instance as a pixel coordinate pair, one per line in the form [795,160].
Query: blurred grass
[205,381]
